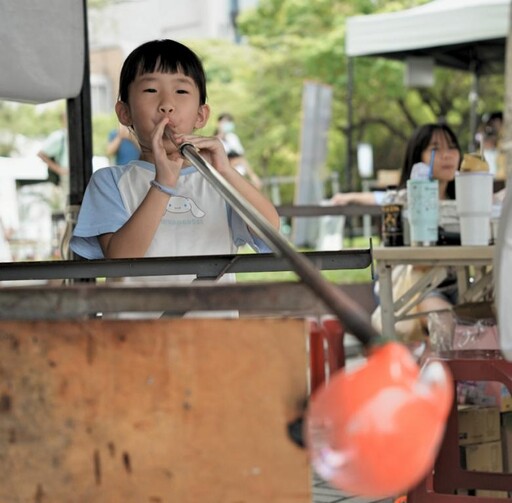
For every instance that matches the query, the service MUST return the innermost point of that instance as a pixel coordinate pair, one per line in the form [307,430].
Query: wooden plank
[432,255]
[152,411]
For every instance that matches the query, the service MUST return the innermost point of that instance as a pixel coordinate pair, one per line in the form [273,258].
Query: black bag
[53,177]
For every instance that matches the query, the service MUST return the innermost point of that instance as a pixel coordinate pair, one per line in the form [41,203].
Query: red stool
[448,475]
[326,351]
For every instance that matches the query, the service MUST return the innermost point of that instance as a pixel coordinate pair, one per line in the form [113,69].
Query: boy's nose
[166,108]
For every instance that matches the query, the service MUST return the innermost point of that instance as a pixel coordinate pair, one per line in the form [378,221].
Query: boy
[159,206]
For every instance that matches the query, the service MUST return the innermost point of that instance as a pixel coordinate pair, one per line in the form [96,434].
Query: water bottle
[423,206]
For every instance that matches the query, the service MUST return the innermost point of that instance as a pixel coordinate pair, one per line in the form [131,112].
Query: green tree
[305,40]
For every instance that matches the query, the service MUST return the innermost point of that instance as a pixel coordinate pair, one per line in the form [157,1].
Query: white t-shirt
[232,143]
[197,222]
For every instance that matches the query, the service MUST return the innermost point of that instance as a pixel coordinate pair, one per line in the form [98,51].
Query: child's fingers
[158,132]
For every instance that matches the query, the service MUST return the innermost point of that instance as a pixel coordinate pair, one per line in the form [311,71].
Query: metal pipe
[353,317]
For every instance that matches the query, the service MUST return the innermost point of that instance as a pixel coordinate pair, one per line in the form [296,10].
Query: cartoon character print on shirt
[180,204]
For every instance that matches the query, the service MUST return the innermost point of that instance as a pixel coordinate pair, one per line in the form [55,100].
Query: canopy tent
[462,34]
[466,35]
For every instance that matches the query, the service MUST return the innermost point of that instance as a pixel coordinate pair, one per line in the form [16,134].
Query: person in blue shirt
[122,146]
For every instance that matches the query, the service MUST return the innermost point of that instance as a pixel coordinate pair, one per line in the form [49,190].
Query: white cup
[474,206]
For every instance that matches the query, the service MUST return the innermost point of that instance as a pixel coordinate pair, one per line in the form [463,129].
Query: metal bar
[350,210]
[85,300]
[203,266]
[349,312]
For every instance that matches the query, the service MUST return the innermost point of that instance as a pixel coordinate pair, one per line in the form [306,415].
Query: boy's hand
[168,160]
[210,147]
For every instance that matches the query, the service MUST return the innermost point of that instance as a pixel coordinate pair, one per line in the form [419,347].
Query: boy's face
[153,96]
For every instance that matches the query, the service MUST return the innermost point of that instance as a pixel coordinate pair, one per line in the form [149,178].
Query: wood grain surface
[152,411]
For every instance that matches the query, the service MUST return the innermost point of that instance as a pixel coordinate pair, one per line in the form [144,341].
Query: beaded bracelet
[163,188]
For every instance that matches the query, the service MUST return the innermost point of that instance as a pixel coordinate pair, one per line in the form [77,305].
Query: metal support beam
[203,266]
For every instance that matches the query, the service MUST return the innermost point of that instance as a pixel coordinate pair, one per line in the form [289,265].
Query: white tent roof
[456,33]
[43,50]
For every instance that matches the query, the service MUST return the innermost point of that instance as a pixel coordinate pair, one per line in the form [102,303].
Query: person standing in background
[226,133]
[490,141]
[122,146]
[55,154]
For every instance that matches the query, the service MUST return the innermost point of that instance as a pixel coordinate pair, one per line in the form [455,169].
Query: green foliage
[304,40]
[288,42]
[341,276]
[102,124]
[27,120]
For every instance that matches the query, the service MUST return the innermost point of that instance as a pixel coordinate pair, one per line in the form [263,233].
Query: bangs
[449,136]
[164,56]
[156,63]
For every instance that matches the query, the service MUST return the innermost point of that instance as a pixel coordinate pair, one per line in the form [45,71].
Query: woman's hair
[418,142]
[167,56]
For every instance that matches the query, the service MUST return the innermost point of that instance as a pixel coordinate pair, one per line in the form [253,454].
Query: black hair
[418,142]
[166,56]
[493,116]
[492,125]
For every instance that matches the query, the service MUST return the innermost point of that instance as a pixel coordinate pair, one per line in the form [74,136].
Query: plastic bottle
[423,206]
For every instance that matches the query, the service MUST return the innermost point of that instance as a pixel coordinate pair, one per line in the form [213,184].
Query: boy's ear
[123,113]
[203,115]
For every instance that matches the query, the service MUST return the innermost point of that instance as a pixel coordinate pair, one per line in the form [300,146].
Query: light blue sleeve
[102,211]
[242,235]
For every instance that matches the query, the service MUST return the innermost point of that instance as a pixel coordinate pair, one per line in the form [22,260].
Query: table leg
[386,300]
[462,281]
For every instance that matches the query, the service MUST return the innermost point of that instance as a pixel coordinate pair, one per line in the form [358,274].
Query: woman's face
[447,156]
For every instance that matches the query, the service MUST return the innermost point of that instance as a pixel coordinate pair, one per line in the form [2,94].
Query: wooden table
[472,263]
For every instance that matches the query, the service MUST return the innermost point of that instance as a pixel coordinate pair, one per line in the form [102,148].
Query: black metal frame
[205,267]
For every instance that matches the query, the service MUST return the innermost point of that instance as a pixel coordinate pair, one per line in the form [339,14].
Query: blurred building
[120,26]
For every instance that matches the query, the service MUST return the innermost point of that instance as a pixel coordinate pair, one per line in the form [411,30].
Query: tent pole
[350,125]
[80,130]
[473,102]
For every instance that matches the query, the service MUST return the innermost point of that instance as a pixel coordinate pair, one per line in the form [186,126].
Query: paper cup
[474,207]
[475,230]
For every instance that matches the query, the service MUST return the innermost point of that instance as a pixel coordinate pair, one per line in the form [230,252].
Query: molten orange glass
[375,431]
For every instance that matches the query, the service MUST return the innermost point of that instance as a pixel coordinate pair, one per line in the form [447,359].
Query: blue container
[423,207]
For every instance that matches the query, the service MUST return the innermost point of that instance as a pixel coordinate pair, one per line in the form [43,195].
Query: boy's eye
[182,91]
[150,90]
